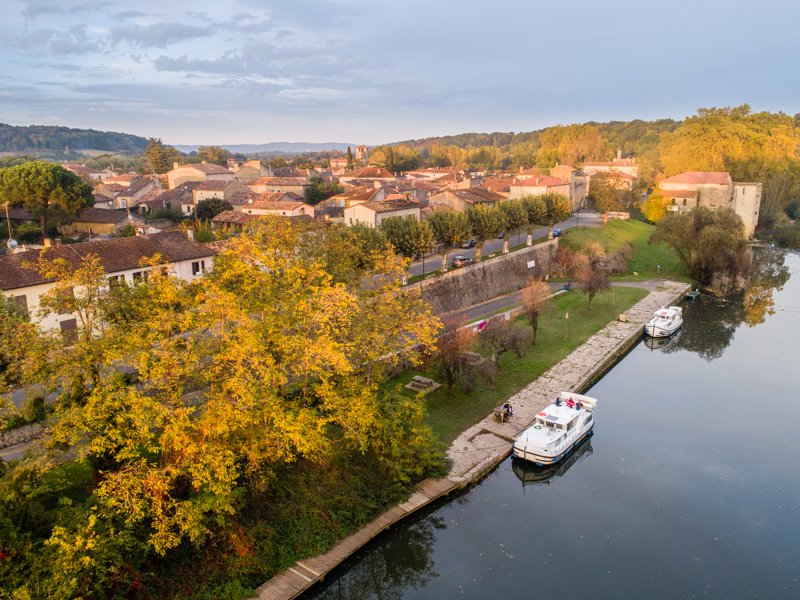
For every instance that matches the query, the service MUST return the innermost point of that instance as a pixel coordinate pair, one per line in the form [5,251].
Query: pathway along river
[690,486]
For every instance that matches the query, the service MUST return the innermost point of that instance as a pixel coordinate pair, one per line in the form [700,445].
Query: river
[689,487]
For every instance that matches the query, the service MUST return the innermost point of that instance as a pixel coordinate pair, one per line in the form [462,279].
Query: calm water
[690,486]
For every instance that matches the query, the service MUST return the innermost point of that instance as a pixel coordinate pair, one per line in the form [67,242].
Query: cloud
[34,10]
[157,35]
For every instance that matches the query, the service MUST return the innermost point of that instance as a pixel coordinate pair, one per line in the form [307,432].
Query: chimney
[175,165]
[190,234]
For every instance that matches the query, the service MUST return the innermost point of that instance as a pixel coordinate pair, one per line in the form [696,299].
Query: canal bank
[480,448]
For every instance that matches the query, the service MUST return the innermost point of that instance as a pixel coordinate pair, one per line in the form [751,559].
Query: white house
[372,213]
[540,185]
[120,257]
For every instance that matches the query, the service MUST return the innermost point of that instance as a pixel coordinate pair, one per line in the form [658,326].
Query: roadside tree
[486,221]
[514,217]
[535,215]
[449,360]
[450,228]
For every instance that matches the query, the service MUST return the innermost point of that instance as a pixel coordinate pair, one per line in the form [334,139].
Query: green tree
[450,228]
[486,221]
[709,242]
[515,216]
[319,190]
[49,191]
[552,208]
[156,156]
[534,214]
[350,164]
[209,208]
[409,236]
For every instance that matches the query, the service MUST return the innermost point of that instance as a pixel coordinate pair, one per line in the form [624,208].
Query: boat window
[589,419]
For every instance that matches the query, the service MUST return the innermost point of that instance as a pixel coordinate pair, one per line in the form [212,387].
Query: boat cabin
[560,418]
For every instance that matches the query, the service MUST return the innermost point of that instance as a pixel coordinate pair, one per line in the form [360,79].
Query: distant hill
[49,139]
[275,147]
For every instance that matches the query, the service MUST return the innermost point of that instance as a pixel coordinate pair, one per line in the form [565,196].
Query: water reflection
[530,474]
[658,343]
[709,323]
[395,564]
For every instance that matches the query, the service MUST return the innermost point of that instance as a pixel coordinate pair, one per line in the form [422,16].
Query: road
[433,262]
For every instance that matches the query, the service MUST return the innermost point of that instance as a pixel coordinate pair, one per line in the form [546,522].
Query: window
[197,267]
[685,201]
[69,329]
[116,280]
[139,276]
[21,303]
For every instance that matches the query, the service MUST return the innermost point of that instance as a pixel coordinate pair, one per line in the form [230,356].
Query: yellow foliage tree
[655,207]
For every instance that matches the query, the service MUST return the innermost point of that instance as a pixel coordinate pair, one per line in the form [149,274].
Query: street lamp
[11,243]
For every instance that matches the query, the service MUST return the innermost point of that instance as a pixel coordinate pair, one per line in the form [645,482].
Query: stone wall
[476,283]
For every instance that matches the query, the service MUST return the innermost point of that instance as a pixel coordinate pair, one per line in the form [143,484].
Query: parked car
[556,233]
[470,243]
[460,261]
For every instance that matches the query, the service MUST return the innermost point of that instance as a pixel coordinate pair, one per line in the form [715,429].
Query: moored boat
[665,322]
[556,429]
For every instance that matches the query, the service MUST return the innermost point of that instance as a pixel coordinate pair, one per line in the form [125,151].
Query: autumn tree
[486,222]
[319,190]
[656,206]
[263,362]
[514,216]
[605,193]
[450,228]
[594,280]
[535,300]
[214,154]
[449,360]
[571,144]
[50,192]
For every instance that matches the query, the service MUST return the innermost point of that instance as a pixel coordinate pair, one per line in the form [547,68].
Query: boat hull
[542,460]
[659,332]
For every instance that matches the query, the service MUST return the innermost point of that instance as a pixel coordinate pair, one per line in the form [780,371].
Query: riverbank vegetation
[567,324]
[642,259]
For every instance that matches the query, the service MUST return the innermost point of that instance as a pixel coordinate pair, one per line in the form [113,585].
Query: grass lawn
[450,414]
[645,257]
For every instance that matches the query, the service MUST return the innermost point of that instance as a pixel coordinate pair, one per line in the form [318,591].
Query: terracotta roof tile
[701,177]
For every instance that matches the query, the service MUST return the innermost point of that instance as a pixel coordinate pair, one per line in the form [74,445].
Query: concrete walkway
[482,447]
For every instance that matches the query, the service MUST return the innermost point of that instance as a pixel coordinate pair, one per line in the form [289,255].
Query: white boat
[556,429]
[665,322]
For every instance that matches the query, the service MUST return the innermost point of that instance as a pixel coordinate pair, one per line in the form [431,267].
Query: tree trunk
[43,223]
[478,248]
[505,245]
[550,230]
[605,217]
[444,261]
[529,241]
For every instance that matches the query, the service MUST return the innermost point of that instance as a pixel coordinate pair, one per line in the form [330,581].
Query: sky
[250,71]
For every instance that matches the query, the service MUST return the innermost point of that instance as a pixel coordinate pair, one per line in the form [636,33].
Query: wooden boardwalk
[482,447]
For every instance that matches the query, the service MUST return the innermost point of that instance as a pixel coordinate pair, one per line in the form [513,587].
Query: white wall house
[121,258]
[372,213]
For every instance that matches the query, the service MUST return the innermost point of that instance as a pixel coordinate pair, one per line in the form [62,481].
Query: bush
[33,409]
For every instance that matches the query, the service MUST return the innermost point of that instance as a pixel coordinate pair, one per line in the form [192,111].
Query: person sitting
[558,401]
[570,403]
[508,410]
